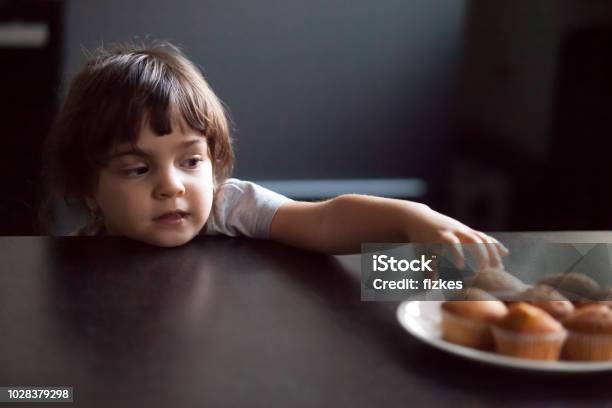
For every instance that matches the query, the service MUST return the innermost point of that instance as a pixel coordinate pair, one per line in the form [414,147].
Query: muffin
[529,332]
[590,334]
[468,322]
[497,282]
[548,299]
[573,285]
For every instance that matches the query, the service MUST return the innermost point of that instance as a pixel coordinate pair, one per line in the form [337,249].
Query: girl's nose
[169,185]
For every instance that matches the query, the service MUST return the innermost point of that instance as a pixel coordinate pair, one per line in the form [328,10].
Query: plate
[422,320]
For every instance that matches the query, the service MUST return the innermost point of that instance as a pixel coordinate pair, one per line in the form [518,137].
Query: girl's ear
[92,207]
[91,204]
[95,219]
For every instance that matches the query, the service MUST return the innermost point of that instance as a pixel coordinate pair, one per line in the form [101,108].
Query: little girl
[144,144]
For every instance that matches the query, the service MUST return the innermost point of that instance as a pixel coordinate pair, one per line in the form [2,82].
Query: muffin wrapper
[535,346]
[588,347]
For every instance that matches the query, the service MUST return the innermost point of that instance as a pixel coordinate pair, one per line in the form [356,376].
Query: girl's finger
[455,249]
[476,247]
[492,249]
[503,251]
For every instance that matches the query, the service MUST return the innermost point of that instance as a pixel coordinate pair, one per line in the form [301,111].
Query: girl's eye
[137,171]
[193,162]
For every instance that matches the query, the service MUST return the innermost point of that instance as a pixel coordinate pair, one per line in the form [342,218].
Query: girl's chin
[164,238]
[169,241]
[160,235]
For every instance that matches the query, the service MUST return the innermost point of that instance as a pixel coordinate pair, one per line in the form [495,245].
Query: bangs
[152,92]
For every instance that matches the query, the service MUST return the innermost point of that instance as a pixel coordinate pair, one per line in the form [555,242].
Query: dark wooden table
[230,323]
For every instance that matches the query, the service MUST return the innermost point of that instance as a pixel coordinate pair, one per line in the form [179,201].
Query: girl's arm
[341,224]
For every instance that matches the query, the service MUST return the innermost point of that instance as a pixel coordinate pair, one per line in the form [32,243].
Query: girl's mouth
[171,218]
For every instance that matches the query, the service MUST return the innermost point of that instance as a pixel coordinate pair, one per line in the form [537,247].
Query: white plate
[422,320]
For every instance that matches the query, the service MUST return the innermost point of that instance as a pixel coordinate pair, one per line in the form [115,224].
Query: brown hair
[108,100]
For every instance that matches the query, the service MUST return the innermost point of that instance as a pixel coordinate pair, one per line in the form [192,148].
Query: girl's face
[161,192]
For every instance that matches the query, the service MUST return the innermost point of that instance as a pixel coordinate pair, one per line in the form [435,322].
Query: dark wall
[30,60]
[531,151]
[317,89]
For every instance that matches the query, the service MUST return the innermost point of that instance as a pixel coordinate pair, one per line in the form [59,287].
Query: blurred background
[494,112]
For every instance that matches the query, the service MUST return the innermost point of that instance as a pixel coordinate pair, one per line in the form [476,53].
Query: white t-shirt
[243,208]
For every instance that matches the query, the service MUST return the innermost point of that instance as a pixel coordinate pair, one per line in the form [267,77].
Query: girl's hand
[429,226]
